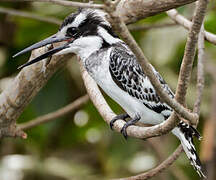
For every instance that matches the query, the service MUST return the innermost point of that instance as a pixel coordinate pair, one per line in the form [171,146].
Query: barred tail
[185,134]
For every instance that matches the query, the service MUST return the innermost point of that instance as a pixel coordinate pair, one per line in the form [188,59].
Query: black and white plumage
[114,67]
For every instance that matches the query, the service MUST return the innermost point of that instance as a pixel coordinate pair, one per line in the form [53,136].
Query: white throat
[84,46]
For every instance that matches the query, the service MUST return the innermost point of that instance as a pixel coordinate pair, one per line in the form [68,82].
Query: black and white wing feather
[129,76]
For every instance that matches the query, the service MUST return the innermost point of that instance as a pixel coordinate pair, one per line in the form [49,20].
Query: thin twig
[175,16]
[189,53]
[30,15]
[158,169]
[59,113]
[63,3]
[158,147]
[200,71]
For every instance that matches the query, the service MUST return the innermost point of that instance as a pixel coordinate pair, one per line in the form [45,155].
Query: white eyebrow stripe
[79,19]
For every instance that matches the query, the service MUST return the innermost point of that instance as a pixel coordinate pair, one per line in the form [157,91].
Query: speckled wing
[129,76]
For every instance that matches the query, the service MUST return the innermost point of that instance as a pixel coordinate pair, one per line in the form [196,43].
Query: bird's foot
[120,116]
[129,123]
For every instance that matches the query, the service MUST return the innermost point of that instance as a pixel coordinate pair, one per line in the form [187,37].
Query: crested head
[85,22]
[86,16]
[90,30]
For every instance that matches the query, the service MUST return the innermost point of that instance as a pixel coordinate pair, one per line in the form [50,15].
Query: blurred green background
[81,145]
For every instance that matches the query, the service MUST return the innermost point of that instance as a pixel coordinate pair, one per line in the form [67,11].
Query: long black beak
[49,40]
[45,55]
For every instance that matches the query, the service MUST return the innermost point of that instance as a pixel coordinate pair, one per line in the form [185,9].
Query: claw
[112,123]
[124,131]
[120,116]
[129,123]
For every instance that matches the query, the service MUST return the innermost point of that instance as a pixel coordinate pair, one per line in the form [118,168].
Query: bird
[114,67]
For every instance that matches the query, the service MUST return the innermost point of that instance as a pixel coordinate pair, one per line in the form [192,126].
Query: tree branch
[190,48]
[200,71]
[30,15]
[133,10]
[63,3]
[53,115]
[175,16]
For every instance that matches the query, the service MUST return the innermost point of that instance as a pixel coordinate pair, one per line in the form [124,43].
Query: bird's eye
[72,31]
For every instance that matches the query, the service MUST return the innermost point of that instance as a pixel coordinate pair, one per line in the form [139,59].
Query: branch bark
[190,48]
[200,71]
[130,10]
[133,10]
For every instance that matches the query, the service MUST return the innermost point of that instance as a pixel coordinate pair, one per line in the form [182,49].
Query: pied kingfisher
[114,67]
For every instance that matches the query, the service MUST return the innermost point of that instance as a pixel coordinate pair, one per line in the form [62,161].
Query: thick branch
[20,92]
[59,113]
[133,10]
